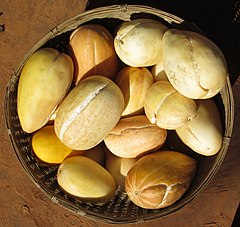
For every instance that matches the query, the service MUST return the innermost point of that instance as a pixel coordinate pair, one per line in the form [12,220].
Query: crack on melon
[130,129]
[79,109]
[194,63]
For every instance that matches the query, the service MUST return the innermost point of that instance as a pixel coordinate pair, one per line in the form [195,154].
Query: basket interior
[120,209]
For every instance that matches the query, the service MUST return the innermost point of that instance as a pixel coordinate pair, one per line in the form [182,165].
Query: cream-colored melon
[138,43]
[166,107]
[194,64]
[204,134]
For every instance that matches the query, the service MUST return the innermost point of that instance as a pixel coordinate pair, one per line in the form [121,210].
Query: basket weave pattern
[236,17]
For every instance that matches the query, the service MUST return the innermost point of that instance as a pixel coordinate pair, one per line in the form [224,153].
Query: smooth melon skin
[96,153]
[47,147]
[44,82]
[119,167]
[159,179]
[85,179]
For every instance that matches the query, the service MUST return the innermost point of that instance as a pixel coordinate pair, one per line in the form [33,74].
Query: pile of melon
[102,110]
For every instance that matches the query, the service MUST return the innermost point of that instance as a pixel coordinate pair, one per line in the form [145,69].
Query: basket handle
[163,5]
[92,4]
[175,7]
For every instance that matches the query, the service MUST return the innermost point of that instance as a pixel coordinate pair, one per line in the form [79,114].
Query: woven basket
[120,209]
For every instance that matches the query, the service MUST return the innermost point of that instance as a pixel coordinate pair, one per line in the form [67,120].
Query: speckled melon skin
[89,113]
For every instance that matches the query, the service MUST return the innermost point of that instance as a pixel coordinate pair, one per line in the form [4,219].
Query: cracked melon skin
[159,179]
[204,134]
[134,83]
[135,136]
[166,107]
[89,112]
[194,65]
[92,50]
[136,39]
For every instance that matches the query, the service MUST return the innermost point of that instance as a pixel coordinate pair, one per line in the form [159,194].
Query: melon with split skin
[194,64]
[159,179]
[92,50]
[138,43]
[204,134]
[44,82]
[134,83]
[135,136]
[166,107]
[89,112]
